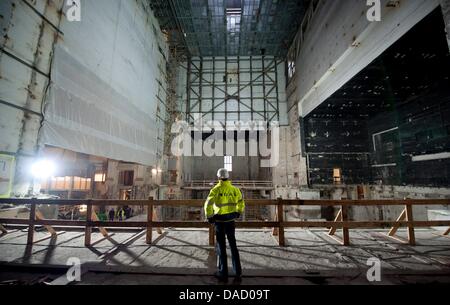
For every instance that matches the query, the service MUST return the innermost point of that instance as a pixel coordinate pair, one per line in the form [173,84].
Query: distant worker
[127,211]
[223,206]
[111,214]
[121,214]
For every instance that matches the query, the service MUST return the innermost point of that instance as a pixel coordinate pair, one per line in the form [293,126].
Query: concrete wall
[445,5]
[291,170]
[145,181]
[27,43]
[205,168]
[341,42]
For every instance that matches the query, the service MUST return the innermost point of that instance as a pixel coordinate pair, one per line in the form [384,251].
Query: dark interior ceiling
[231,27]
[416,65]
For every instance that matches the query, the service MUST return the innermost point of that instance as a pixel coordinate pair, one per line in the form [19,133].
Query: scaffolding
[229,89]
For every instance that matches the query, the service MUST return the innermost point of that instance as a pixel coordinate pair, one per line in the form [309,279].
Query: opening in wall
[228,163]
[126,178]
[337,176]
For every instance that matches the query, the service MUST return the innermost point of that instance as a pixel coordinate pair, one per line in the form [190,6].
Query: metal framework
[232,27]
[228,89]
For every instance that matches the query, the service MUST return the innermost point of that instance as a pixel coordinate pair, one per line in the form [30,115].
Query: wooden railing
[243,184]
[341,222]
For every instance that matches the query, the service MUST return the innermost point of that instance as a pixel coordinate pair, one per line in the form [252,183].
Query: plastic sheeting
[83,114]
[103,100]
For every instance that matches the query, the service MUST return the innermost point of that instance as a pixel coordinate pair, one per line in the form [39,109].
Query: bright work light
[43,169]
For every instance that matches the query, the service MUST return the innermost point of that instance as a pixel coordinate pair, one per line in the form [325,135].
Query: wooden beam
[250,202]
[247,224]
[2,228]
[50,229]
[275,230]
[157,217]
[345,229]
[32,219]
[409,217]
[447,232]
[49,237]
[338,217]
[399,239]
[88,228]
[102,229]
[337,239]
[364,224]
[280,212]
[149,223]
[211,236]
[395,228]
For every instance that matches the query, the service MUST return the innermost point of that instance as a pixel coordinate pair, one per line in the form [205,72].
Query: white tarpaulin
[85,115]
[103,98]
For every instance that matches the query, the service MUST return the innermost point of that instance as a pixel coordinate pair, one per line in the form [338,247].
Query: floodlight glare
[43,169]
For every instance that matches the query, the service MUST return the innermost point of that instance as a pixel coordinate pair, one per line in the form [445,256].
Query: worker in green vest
[223,206]
[121,214]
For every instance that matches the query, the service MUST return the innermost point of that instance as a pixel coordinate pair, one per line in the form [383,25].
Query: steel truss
[229,89]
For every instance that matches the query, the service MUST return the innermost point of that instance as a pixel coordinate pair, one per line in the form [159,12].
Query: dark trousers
[227,229]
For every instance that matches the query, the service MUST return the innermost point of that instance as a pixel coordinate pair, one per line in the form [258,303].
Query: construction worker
[121,214]
[111,214]
[223,206]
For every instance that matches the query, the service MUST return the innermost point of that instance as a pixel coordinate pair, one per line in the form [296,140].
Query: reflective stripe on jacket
[224,199]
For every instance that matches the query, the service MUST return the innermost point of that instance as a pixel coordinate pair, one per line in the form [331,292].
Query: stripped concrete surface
[184,257]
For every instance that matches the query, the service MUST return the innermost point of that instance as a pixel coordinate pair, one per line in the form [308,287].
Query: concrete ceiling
[232,27]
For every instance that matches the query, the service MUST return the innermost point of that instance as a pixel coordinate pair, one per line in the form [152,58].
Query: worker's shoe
[221,278]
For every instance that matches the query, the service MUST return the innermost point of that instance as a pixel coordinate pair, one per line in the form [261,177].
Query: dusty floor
[184,257]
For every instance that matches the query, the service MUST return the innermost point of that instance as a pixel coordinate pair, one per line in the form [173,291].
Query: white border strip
[445,155]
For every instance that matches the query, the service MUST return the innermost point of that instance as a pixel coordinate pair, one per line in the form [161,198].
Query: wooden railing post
[101,229]
[149,221]
[447,232]
[3,229]
[395,228]
[280,212]
[88,229]
[410,217]
[211,236]
[30,238]
[50,229]
[338,218]
[345,230]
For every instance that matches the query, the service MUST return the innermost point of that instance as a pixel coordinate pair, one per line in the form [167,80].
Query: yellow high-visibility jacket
[224,199]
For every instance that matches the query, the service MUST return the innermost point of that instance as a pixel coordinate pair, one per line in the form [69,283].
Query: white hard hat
[223,173]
